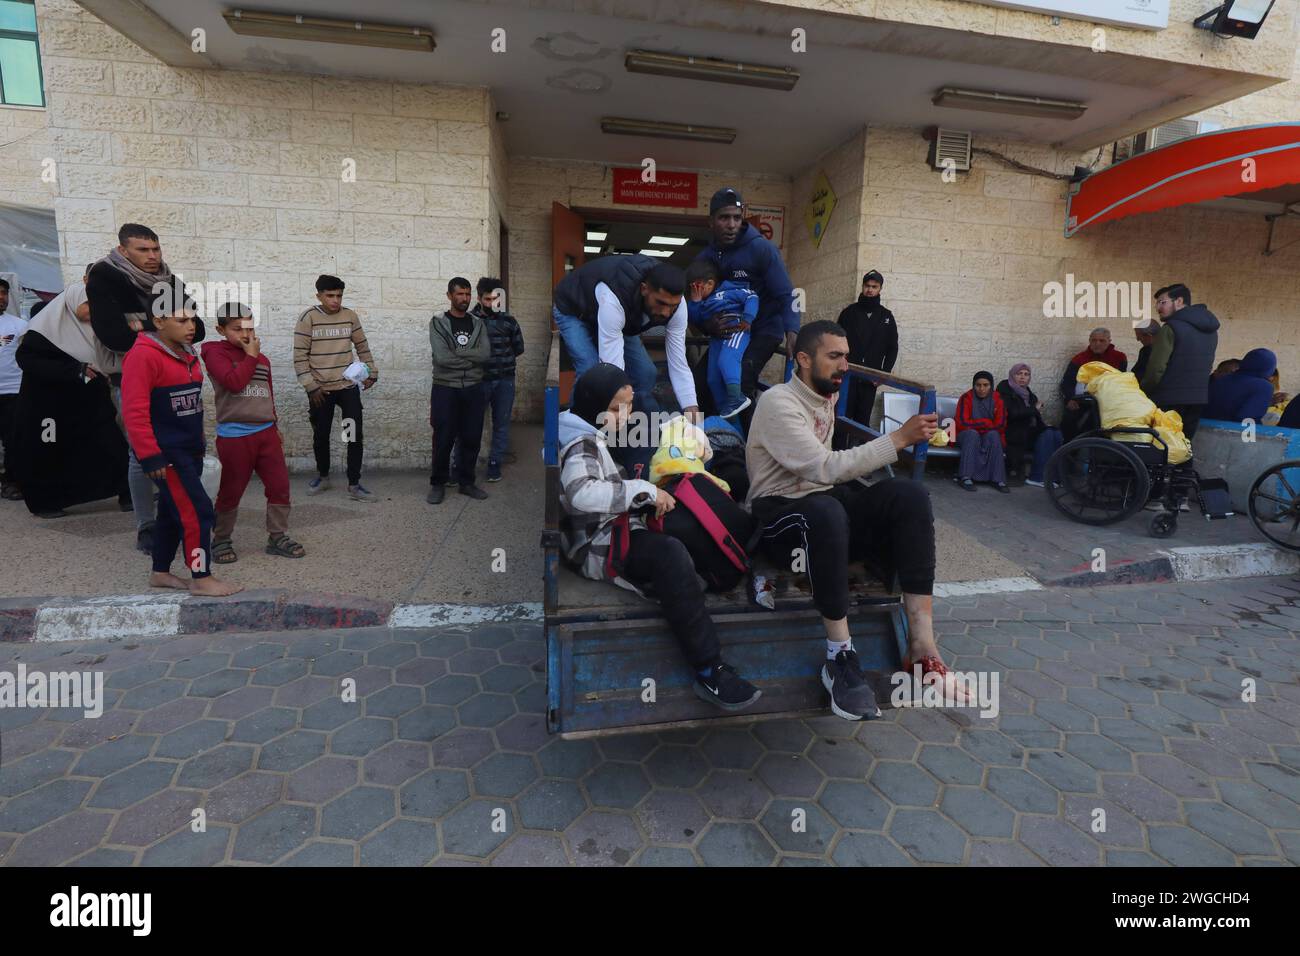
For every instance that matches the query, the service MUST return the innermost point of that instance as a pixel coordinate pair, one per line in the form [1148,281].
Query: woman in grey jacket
[605,537]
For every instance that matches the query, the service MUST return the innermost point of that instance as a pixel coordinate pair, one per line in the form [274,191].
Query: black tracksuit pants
[888,525]
[663,563]
[456,415]
[348,401]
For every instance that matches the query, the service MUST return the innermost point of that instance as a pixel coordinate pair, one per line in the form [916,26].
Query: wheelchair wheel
[1097,481]
[1275,504]
[1163,524]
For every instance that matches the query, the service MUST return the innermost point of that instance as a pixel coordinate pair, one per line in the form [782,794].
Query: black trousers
[8,420]
[456,415]
[1191,415]
[888,525]
[664,565]
[348,402]
[760,350]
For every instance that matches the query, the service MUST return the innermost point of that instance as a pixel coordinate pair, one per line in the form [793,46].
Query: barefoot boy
[162,406]
[248,440]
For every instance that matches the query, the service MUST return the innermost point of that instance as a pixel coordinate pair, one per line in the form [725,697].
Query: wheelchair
[1098,478]
[1275,504]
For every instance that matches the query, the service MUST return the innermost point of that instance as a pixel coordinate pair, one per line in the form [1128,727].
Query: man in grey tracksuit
[461,348]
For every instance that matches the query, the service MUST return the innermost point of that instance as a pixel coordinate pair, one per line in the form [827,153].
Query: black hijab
[595,389]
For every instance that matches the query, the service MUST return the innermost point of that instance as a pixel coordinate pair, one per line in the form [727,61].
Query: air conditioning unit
[1171,132]
[1163,135]
[950,149]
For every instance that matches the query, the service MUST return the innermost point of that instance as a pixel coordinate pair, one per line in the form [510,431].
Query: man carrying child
[162,406]
[724,311]
[248,440]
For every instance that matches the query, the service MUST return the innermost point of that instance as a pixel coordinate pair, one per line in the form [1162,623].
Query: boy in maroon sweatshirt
[162,407]
[248,440]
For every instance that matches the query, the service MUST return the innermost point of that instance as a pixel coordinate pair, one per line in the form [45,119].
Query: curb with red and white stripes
[140,616]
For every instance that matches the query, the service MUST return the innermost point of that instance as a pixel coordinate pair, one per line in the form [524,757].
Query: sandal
[223,552]
[284,546]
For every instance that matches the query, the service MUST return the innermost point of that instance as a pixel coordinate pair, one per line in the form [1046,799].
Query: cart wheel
[1163,524]
[1097,481]
[1275,504]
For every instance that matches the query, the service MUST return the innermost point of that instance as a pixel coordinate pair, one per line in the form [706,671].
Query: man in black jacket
[872,332]
[1177,376]
[120,290]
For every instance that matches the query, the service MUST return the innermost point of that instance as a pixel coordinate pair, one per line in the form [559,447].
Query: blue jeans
[585,353]
[1049,439]
[500,396]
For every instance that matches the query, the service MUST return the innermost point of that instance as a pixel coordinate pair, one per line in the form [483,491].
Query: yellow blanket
[1124,404]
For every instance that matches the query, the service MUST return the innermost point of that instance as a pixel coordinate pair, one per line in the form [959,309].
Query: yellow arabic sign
[818,213]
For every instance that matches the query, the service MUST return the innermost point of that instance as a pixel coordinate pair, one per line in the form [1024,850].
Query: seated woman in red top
[982,436]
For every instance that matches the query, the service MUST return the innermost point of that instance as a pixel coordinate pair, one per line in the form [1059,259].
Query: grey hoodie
[457,364]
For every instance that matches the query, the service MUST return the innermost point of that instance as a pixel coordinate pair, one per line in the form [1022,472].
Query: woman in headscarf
[71,450]
[605,540]
[1025,426]
[981,436]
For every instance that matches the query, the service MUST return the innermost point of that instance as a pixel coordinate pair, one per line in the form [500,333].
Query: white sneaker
[1036,484]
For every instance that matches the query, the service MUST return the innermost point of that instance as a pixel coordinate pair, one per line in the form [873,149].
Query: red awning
[1201,168]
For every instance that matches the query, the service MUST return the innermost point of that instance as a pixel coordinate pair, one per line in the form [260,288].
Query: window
[20,60]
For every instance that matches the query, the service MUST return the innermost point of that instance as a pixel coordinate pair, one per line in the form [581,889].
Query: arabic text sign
[669,188]
[1143,14]
[819,209]
[769,221]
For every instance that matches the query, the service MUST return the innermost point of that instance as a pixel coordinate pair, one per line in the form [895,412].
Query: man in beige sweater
[814,514]
[323,340]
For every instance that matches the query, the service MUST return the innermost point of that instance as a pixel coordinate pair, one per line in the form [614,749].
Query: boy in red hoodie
[248,440]
[162,407]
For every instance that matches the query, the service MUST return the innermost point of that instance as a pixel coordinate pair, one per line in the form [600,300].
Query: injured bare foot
[933,670]
[211,586]
[165,579]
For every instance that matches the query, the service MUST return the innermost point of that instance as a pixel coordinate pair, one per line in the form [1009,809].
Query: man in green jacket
[461,348]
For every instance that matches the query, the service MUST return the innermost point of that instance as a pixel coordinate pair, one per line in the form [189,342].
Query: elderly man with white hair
[1099,349]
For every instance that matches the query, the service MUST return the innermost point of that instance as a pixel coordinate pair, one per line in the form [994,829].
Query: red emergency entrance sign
[669,188]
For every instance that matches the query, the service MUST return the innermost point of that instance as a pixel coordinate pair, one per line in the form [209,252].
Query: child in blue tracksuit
[724,311]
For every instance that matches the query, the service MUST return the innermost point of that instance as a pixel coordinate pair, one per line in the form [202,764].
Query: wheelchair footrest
[1212,494]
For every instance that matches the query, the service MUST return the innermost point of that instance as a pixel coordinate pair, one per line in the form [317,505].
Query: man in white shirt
[602,309]
[11,377]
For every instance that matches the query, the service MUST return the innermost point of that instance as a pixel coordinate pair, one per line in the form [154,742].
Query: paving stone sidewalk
[1125,699]
[1026,527]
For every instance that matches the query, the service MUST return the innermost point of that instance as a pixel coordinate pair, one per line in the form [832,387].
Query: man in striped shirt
[323,341]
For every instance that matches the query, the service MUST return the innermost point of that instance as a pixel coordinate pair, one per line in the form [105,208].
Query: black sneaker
[726,689]
[493,470]
[435,495]
[144,540]
[851,696]
[473,491]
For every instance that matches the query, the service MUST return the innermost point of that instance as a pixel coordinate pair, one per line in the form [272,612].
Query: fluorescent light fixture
[669,240]
[657,253]
[989,102]
[286,26]
[1236,18]
[655,128]
[596,236]
[591,248]
[709,68]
